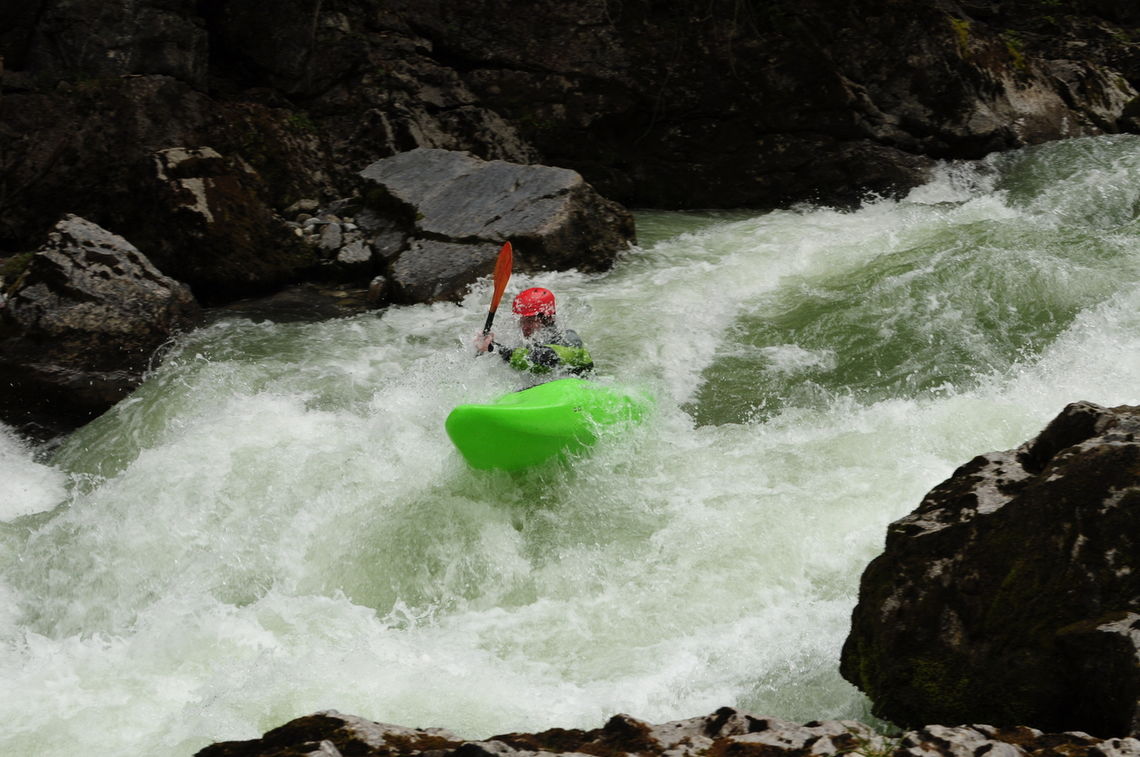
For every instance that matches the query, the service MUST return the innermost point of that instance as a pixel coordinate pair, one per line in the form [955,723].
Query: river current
[275,522]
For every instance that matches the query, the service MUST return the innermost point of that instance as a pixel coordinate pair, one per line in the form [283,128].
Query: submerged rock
[457,210]
[79,327]
[725,733]
[1012,594]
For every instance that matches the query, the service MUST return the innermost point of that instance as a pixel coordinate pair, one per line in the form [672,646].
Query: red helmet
[534,301]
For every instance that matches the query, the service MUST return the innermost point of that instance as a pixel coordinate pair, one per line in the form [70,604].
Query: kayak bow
[528,427]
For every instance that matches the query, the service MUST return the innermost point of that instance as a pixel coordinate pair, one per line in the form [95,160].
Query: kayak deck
[528,427]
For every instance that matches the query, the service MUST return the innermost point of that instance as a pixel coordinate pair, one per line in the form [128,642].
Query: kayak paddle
[502,276]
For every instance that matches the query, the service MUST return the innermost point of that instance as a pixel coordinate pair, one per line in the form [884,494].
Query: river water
[276,524]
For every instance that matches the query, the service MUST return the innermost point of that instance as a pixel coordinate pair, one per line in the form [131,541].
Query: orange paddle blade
[502,276]
[502,273]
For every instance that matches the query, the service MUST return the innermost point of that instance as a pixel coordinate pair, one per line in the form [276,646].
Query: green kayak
[528,427]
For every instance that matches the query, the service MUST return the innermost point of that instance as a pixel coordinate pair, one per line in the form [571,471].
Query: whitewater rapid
[275,522]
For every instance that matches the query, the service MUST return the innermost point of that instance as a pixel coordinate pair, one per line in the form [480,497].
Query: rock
[356,253]
[277,40]
[81,325]
[460,209]
[331,238]
[303,206]
[727,106]
[210,229]
[378,293]
[431,271]
[116,37]
[1012,594]
[726,732]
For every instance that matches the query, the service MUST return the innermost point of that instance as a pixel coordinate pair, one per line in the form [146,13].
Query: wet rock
[81,325]
[726,732]
[459,209]
[1012,594]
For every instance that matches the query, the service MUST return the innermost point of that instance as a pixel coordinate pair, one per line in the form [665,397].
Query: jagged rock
[460,209]
[210,229]
[81,324]
[765,103]
[1012,594]
[115,37]
[725,733]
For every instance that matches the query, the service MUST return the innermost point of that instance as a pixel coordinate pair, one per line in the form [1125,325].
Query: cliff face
[657,104]
[736,103]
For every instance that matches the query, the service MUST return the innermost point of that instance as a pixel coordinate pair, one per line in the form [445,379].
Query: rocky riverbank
[730,104]
[726,732]
[85,314]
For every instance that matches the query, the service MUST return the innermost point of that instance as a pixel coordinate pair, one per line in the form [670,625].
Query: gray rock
[356,253]
[430,271]
[331,238]
[451,200]
[388,246]
[556,219]
[1012,594]
[82,323]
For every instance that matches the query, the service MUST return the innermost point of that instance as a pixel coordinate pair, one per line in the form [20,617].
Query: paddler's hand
[483,342]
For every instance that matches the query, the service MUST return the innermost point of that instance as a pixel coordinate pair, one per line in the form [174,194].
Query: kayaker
[545,347]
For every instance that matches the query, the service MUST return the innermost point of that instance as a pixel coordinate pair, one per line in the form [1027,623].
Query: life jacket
[561,351]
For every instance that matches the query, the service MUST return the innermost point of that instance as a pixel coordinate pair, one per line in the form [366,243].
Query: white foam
[26,486]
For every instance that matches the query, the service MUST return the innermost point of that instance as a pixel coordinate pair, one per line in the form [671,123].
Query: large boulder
[457,210]
[1012,594]
[79,327]
[726,733]
[208,227]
